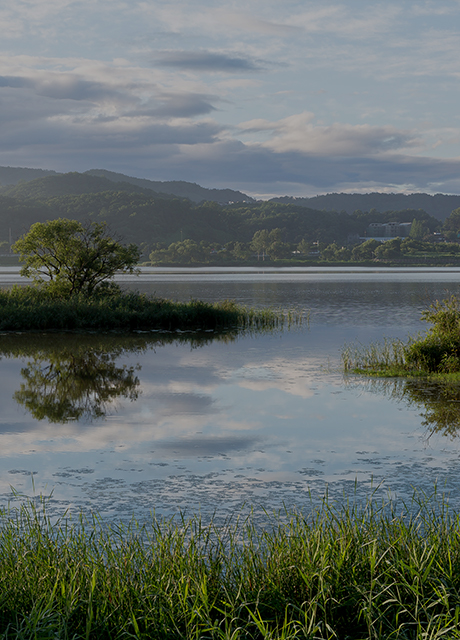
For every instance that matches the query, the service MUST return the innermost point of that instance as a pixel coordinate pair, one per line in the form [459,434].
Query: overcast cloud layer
[270,98]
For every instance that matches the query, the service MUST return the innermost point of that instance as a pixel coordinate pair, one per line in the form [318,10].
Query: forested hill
[178,188]
[66,184]
[148,219]
[155,221]
[109,181]
[13,175]
[440,206]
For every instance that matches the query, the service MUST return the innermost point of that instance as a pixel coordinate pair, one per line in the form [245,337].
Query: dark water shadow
[71,377]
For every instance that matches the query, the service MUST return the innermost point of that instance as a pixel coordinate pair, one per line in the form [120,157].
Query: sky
[271,98]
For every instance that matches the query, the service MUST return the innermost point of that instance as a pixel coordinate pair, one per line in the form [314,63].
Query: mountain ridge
[14,179]
[439,205]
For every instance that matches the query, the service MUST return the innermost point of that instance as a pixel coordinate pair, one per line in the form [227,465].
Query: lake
[127,425]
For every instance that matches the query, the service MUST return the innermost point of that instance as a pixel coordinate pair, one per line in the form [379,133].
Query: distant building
[387,230]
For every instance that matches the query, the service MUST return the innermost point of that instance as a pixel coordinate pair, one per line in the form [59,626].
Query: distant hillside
[64,184]
[440,206]
[178,188]
[13,175]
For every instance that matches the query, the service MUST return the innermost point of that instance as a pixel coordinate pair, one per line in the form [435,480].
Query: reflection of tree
[72,377]
[68,386]
[440,401]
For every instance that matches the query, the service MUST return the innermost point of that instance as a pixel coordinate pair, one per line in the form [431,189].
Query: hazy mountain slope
[440,206]
[178,188]
[13,175]
[65,184]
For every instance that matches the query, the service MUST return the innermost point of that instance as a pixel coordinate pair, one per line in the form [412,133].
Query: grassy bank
[354,573]
[31,308]
[435,354]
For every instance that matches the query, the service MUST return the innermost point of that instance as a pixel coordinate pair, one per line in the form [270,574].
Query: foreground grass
[30,308]
[351,573]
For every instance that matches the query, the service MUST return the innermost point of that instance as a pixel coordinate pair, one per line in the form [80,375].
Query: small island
[72,266]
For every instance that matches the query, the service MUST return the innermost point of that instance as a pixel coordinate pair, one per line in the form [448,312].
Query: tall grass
[31,308]
[437,352]
[386,358]
[370,572]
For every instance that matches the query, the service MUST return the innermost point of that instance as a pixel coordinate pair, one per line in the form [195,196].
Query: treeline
[170,229]
[396,249]
[266,248]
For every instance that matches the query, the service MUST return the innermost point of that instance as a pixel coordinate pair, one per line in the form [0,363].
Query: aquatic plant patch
[32,308]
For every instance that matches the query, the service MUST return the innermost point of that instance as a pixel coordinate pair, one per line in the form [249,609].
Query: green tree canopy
[69,257]
[389,249]
[365,250]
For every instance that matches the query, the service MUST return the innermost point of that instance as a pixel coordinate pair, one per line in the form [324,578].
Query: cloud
[347,22]
[208,61]
[298,133]
[186,105]
[61,86]
[212,20]
[433,9]
[75,113]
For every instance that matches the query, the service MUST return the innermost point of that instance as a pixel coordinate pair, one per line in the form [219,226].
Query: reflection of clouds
[294,377]
[238,417]
[185,403]
[139,430]
[207,446]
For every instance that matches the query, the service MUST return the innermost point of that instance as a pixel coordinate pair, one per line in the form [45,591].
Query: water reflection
[439,401]
[79,377]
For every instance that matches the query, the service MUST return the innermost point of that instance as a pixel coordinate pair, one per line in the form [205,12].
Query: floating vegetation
[379,570]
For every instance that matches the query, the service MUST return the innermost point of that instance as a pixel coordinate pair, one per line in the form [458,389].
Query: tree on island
[68,257]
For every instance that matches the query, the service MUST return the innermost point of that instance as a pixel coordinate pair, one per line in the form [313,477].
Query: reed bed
[375,571]
[31,308]
[436,353]
[387,358]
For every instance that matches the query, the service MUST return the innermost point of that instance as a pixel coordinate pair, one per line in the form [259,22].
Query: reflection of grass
[351,573]
[30,308]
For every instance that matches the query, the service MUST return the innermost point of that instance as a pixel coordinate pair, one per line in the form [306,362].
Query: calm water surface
[128,425]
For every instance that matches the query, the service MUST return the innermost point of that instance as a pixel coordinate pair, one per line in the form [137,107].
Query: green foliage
[389,249]
[411,245]
[68,257]
[437,352]
[267,243]
[334,253]
[452,223]
[418,229]
[365,250]
[31,308]
[382,570]
[144,217]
